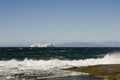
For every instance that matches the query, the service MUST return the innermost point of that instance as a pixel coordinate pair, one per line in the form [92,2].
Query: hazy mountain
[72,44]
[90,44]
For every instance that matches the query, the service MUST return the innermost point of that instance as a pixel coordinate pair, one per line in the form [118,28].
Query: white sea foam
[55,63]
[52,66]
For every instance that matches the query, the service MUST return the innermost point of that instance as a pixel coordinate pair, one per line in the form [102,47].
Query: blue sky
[59,21]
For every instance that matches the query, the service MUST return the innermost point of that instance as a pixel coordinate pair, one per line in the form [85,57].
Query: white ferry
[41,45]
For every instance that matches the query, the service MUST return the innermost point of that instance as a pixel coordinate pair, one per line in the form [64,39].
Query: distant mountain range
[71,44]
[90,44]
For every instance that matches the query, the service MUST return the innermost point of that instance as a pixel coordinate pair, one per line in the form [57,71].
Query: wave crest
[51,68]
[113,58]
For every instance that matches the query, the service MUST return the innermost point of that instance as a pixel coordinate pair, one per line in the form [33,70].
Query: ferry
[41,45]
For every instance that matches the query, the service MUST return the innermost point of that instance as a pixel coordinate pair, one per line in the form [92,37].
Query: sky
[59,21]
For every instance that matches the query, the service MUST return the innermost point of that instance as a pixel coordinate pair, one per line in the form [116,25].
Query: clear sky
[59,21]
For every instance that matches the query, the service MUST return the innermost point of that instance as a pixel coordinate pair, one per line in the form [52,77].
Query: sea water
[22,63]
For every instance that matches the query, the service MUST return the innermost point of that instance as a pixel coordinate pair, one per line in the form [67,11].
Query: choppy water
[40,63]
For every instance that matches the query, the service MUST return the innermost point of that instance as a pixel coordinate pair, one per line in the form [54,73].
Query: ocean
[26,63]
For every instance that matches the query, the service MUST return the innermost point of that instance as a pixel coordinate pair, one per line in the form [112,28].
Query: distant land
[70,44]
[90,44]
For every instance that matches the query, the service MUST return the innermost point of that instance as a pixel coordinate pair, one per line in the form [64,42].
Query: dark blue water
[67,53]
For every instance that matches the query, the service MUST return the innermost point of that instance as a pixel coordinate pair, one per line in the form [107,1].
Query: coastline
[107,71]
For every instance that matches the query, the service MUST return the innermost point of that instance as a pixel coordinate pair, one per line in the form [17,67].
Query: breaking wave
[47,68]
[113,58]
